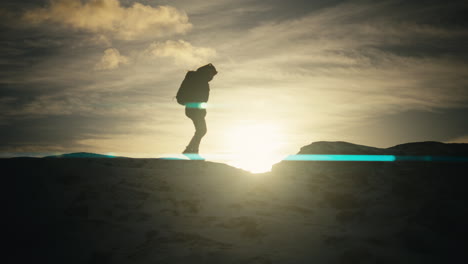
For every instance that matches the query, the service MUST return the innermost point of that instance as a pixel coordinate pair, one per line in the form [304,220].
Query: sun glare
[254,147]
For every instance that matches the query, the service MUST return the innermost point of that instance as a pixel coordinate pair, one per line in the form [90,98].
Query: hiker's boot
[189,150]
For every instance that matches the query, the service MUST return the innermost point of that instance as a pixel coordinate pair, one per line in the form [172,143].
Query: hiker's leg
[190,114]
[200,129]
[198,118]
[200,123]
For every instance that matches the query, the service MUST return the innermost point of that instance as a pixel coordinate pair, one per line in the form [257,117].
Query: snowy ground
[95,210]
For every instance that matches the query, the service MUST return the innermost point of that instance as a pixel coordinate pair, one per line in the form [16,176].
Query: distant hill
[82,155]
[414,148]
[430,148]
[344,148]
[340,147]
[415,151]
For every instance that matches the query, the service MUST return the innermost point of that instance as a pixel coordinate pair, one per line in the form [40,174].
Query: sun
[254,147]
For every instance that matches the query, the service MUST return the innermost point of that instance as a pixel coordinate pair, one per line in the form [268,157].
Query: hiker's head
[209,71]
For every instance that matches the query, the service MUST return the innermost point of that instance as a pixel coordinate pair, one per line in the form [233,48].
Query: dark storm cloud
[414,125]
[414,28]
[58,133]
[14,5]
[438,28]
[297,8]
[250,13]
[447,14]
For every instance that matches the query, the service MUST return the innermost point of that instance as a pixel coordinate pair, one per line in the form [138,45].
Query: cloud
[338,53]
[109,16]
[325,70]
[111,60]
[182,52]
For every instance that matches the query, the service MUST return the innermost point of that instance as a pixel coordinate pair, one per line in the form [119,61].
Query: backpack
[183,94]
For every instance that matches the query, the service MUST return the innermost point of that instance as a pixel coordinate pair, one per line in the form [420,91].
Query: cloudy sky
[100,75]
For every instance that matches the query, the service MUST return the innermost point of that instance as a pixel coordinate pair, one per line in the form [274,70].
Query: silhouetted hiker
[193,94]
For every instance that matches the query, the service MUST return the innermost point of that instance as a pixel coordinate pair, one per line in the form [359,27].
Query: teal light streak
[433,158]
[193,156]
[317,157]
[197,105]
[379,158]
[333,157]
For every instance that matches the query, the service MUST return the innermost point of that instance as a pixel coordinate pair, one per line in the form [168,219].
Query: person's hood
[208,66]
[207,71]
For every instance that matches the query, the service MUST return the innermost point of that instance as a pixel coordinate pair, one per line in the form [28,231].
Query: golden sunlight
[255,147]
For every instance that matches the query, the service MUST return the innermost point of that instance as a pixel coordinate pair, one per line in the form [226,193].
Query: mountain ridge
[411,148]
[340,148]
[82,155]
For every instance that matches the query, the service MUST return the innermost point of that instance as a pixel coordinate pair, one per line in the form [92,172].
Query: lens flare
[196,105]
[254,147]
[303,157]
